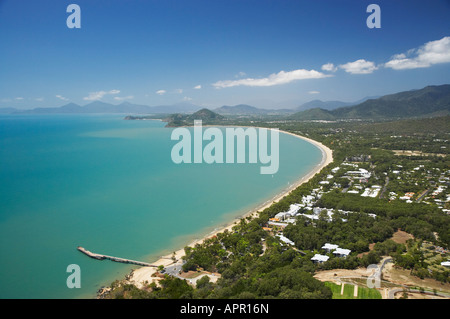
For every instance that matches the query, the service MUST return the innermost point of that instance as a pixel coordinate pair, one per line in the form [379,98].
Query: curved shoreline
[144,274]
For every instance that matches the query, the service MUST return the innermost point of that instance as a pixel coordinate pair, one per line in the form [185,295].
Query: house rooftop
[341,251]
[320,258]
[285,240]
[329,246]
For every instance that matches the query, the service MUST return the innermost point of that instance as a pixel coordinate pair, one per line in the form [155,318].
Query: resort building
[278,224]
[334,170]
[319,258]
[340,252]
[361,173]
[329,247]
[285,239]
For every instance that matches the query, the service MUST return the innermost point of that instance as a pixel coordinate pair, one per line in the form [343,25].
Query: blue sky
[269,54]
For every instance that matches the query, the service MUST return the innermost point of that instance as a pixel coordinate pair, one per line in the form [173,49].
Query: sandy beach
[144,274]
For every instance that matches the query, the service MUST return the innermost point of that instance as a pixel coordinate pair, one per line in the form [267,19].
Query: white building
[293,209]
[308,200]
[273,223]
[285,239]
[282,216]
[340,252]
[329,247]
[334,170]
[362,173]
[371,192]
[319,258]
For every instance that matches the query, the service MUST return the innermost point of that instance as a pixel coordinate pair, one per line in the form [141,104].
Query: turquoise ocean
[110,186]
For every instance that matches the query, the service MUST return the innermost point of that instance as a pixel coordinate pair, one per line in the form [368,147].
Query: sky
[269,54]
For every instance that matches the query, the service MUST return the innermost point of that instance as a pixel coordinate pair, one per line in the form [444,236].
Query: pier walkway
[112,258]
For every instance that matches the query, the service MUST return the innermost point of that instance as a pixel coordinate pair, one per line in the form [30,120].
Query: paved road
[392,293]
[384,187]
[422,196]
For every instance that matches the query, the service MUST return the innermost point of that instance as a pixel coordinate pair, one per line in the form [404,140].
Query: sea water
[109,185]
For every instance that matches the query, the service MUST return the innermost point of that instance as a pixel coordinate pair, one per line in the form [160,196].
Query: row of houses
[284,218]
[427,173]
[337,251]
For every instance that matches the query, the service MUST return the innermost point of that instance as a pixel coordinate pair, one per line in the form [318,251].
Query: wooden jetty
[112,258]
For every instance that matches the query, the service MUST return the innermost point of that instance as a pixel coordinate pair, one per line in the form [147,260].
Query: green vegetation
[368,293]
[335,289]
[313,114]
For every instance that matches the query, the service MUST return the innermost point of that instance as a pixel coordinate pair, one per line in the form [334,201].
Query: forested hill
[205,115]
[427,102]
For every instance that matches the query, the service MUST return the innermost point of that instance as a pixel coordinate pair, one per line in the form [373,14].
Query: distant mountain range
[330,105]
[129,108]
[427,102]
[244,109]
[102,107]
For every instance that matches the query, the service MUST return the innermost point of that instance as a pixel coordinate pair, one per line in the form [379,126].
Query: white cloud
[281,77]
[186,98]
[313,92]
[122,98]
[329,67]
[39,99]
[240,75]
[197,87]
[433,52]
[61,97]
[161,92]
[99,95]
[19,98]
[179,91]
[360,66]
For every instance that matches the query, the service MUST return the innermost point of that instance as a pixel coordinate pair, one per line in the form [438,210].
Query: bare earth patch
[403,277]
[400,237]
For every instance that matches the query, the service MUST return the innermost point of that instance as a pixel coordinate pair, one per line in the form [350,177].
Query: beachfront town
[371,206]
[428,185]
[363,181]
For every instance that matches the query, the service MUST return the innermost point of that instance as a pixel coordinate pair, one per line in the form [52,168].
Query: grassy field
[368,293]
[363,293]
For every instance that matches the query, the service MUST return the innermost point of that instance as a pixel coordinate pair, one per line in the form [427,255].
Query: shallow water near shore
[110,186]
